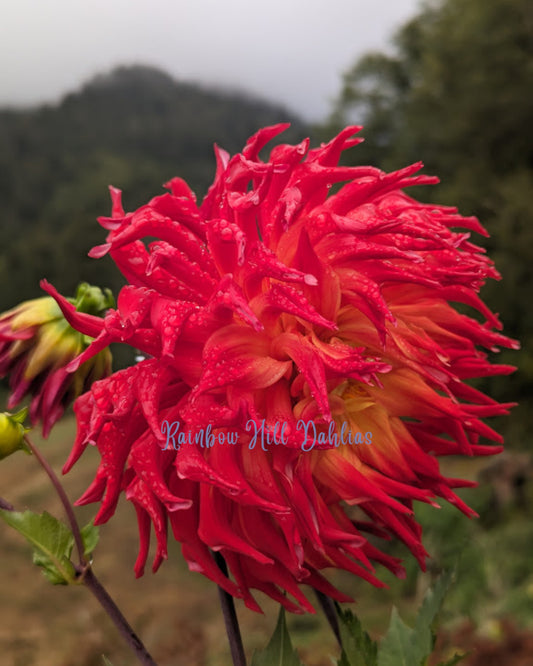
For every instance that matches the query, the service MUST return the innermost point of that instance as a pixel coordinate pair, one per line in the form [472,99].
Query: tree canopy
[457,93]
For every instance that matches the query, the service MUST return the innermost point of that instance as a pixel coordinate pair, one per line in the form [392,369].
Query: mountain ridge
[134,127]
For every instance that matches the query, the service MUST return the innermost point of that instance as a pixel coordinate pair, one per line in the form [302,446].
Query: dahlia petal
[143,523]
[216,530]
[114,455]
[140,495]
[116,200]
[83,408]
[261,138]
[146,462]
[95,491]
[199,282]
[230,296]
[327,295]
[190,464]
[246,579]
[180,206]
[229,459]
[269,578]
[100,343]
[99,251]
[318,582]
[403,526]
[179,188]
[232,355]
[329,154]
[353,486]
[149,384]
[86,323]
[48,401]
[133,261]
[309,363]
[266,264]
[286,299]
[336,557]
[227,243]
[211,200]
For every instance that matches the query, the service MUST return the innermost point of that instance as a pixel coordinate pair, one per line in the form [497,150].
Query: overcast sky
[291,51]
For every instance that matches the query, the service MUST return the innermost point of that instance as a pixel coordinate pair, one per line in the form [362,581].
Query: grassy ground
[177,612]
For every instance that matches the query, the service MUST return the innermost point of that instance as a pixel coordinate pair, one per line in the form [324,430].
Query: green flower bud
[12,432]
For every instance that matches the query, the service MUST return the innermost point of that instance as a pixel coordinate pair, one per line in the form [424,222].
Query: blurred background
[134,93]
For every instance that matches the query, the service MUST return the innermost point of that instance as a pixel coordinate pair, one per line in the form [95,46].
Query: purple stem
[84,570]
[329,611]
[230,618]
[117,618]
[64,501]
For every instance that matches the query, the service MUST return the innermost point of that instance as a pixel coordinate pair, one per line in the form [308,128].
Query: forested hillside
[134,128]
[457,93]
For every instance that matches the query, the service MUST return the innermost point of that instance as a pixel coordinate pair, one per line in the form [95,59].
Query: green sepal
[20,417]
[93,300]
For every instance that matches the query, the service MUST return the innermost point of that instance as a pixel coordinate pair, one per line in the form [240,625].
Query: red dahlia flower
[36,343]
[276,301]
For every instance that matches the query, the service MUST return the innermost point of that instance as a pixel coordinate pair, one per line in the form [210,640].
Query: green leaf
[358,648]
[403,646]
[90,535]
[426,617]
[398,646]
[52,542]
[279,652]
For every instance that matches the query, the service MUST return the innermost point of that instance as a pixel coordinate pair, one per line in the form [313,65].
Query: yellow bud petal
[34,313]
[57,344]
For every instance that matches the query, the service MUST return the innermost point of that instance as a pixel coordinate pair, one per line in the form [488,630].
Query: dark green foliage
[401,645]
[358,648]
[134,128]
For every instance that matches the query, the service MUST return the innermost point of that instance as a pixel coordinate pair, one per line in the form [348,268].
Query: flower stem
[117,618]
[230,618]
[84,570]
[4,504]
[329,611]
[64,500]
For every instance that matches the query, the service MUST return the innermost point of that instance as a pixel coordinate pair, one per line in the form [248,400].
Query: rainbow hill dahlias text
[276,300]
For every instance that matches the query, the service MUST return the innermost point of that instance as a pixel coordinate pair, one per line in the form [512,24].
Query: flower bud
[36,345]
[12,432]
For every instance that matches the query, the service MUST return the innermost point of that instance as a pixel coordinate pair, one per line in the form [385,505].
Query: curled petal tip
[99,251]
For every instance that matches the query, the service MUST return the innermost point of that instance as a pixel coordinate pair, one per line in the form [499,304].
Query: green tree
[457,93]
